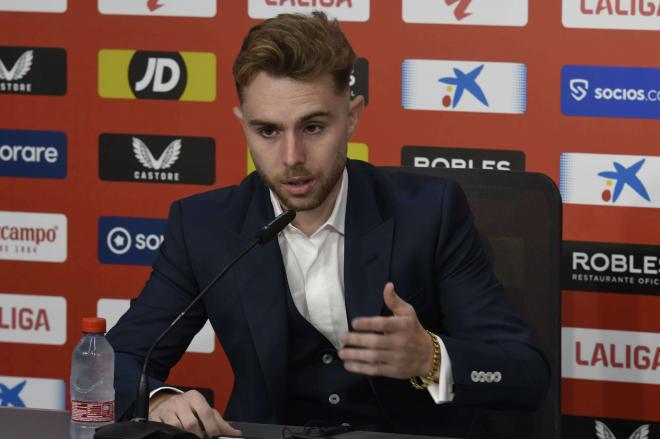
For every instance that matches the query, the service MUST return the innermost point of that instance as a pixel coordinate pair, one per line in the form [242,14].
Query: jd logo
[157,75]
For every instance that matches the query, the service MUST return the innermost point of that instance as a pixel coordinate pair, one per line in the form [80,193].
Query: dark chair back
[519,217]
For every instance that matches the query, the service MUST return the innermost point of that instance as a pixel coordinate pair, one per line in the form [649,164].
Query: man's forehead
[279,99]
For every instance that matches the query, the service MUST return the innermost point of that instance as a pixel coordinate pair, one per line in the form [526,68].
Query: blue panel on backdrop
[630,92]
[37,154]
[132,241]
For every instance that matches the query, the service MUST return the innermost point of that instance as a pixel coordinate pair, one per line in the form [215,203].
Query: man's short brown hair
[302,47]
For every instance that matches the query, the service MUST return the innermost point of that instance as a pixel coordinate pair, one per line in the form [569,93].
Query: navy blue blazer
[413,230]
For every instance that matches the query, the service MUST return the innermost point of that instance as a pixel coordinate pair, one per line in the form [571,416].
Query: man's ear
[355,108]
[238,113]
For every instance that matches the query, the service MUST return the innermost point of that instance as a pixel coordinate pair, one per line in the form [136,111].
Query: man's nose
[293,150]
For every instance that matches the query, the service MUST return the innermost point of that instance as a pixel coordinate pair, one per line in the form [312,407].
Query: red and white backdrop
[112,109]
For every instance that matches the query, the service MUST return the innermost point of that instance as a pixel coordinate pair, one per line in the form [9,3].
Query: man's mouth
[298,186]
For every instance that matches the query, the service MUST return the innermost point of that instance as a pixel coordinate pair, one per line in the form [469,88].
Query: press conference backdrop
[112,109]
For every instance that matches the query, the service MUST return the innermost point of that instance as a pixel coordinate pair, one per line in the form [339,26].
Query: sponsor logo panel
[157,159]
[27,236]
[462,158]
[473,86]
[467,12]
[32,319]
[130,74]
[356,151]
[607,428]
[173,8]
[343,10]
[33,5]
[113,309]
[610,180]
[611,14]
[628,92]
[611,268]
[36,393]
[130,241]
[359,82]
[605,355]
[29,70]
[38,154]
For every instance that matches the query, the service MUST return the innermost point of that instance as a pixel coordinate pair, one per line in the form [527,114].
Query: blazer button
[334,399]
[327,358]
[474,376]
[497,376]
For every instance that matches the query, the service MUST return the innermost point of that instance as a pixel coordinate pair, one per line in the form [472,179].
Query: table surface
[22,423]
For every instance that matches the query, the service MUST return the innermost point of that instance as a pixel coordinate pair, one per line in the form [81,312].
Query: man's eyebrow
[315,115]
[262,123]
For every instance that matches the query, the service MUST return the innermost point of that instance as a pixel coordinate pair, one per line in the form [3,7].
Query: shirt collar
[337,218]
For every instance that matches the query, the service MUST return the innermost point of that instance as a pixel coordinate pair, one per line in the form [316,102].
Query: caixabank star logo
[131,74]
[472,86]
[610,180]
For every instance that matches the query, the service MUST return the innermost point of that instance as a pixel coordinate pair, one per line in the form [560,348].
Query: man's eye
[267,132]
[314,128]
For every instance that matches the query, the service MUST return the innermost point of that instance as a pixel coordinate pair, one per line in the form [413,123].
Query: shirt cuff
[443,391]
[164,389]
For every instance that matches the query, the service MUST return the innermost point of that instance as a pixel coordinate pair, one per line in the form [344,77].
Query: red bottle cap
[93,325]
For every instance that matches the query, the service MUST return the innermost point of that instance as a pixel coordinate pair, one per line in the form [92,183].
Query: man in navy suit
[376,306]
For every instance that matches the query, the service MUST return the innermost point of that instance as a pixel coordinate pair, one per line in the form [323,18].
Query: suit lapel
[367,247]
[262,286]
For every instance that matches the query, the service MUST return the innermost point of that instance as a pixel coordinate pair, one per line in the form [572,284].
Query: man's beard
[323,185]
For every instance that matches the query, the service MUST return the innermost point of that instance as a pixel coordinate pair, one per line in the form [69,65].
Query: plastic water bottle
[92,377]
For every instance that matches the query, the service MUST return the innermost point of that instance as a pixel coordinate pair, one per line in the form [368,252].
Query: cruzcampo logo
[130,74]
[356,151]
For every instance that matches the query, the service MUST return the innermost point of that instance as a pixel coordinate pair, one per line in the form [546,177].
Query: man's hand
[395,347]
[189,411]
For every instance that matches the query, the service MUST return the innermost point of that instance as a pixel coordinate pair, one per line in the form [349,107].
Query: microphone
[140,427]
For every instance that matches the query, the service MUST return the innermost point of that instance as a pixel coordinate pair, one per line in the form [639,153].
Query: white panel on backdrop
[610,180]
[605,355]
[36,393]
[599,14]
[180,8]
[475,12]
[112,309]
[33,5]
[27,236]
[474,86]
[32,319]
[343,10]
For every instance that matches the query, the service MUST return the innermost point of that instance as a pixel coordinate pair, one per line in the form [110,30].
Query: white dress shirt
[315,271]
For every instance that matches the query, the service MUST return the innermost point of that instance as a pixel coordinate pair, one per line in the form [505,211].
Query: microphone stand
[140,427]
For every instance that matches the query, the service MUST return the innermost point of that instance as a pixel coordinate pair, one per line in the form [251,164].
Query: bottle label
[90,411]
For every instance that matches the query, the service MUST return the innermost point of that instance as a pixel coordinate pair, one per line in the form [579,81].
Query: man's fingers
[203,412]
[190,422]
[380,324]
[171,419]
[224,427]
[366,340]
[371,369]
[366,355]
[397,305]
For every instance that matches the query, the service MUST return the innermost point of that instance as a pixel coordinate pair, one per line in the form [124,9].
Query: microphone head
[271,229]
